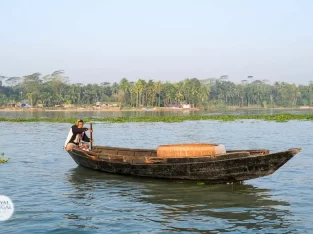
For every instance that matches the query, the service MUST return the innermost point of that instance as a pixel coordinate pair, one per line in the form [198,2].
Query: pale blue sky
[167,40]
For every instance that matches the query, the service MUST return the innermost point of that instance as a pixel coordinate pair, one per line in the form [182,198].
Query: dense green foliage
[54,89]
[170,119]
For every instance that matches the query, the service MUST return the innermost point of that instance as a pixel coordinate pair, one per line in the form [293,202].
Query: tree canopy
[55,88]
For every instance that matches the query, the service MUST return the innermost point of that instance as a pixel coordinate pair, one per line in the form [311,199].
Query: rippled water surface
[52,194]
[28,113]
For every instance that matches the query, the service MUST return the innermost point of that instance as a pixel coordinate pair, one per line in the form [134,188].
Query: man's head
[80,123]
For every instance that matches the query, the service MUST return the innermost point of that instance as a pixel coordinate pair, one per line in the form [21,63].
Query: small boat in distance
[214,167]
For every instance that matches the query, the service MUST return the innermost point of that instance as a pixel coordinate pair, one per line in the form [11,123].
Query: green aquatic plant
[170,119]
[201,183]
[2,160]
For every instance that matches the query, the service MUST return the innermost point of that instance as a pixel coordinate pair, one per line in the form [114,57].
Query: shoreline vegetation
[134,109]
[169,118]
[55,91]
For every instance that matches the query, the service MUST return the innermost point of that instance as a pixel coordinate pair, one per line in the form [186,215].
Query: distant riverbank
[158,109]
[100,109]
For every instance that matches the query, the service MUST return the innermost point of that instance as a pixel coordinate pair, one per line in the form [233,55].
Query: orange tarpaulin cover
[189,150]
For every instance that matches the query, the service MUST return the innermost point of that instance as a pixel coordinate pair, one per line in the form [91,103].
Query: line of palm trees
[54,88]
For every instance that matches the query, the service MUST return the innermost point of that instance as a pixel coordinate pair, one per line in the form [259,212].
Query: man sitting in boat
[76,135]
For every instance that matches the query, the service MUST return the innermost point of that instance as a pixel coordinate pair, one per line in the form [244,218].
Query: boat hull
[239,167]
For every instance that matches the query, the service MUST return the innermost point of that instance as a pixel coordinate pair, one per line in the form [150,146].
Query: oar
[91,136]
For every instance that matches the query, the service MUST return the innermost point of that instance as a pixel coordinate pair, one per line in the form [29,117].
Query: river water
[100,114]
[51,194]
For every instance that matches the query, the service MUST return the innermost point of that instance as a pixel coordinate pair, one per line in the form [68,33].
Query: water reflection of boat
[181,207]
[231,166]
[226,208]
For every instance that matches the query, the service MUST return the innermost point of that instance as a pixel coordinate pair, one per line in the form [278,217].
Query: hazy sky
[168,40]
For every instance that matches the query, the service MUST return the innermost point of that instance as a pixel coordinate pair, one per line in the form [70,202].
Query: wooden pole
[91,136]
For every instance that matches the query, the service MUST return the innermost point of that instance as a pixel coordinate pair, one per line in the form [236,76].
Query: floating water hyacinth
[2,160]
[169,119]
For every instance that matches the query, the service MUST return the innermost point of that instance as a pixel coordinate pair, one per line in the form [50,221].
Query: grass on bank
[169,119]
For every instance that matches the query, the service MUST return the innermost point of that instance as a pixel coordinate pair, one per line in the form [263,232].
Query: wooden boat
[232,166]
